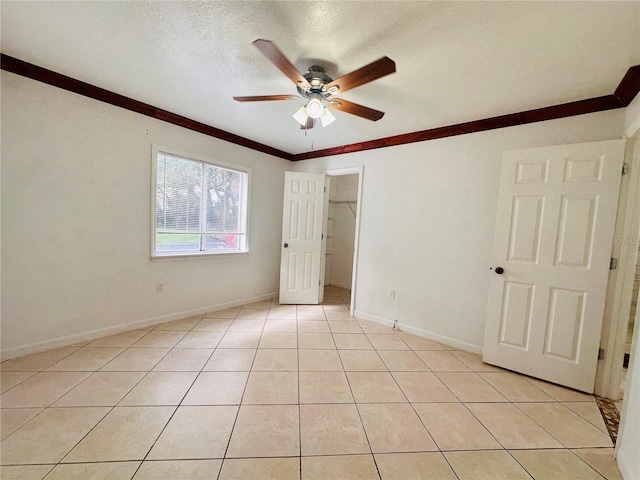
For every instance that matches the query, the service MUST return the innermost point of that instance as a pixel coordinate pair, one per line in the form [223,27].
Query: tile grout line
[188,389]
[174,410]
[77,406]
[355,403]
[183,397]
[235,420]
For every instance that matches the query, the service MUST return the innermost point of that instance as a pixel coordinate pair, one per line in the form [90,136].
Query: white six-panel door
[301,258]
[556,216]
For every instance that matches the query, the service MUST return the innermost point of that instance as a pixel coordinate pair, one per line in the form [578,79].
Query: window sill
[192,256]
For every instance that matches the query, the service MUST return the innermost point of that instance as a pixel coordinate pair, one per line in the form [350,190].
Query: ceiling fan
[320,89]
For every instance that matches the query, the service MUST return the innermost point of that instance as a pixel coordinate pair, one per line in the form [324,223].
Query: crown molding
[29,70]
[627,90]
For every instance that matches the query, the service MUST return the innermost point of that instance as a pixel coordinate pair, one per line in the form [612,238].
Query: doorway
[342,232]
[621,315]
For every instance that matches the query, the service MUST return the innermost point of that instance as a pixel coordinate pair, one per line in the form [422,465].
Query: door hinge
[601,354]
[613,264]
[625,169]
[325,188]
[322,236]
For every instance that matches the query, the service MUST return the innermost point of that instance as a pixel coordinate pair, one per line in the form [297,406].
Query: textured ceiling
[456,61]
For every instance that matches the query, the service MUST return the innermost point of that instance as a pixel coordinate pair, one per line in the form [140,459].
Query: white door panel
[556,207]
[302,239]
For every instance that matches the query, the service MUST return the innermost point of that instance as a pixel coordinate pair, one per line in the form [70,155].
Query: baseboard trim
[123,327]
[373,318]
[403,327]
[340,285]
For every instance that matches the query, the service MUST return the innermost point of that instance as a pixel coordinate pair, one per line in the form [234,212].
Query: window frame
[158,149]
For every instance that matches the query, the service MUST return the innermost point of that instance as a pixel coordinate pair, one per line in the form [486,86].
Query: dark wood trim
[622,97]
[629,86]
[580,107]
[19,67]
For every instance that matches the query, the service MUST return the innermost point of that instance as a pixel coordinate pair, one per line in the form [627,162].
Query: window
[199,207]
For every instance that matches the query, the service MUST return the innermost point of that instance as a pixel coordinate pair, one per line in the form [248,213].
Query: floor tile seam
[51,465]
[154,365]
[33,374]
[334,341]
[445,385]
[525,377]
[366,435]
[115,405]
[428,368]
[611,425]
[538,424]
[235,420]
[90,462]
[153,444]
[605,431]
[483,425]
[179,319]
[521,465]
[181,404]
[213,350]
[183,397]
[173,346]
[25,423]
[462,360]
[563,449]
[469,410]
[123,349]
[449,463]
[47,406]
[415,412]
[110,409]
[591,448]
[514,405]
[62,395]
[259,458]
[42,351]
[477,374]
[577,456]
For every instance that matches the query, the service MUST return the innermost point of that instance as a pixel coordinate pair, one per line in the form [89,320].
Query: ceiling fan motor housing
[317,78]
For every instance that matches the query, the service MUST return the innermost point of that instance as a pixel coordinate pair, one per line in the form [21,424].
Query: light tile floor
[268,391]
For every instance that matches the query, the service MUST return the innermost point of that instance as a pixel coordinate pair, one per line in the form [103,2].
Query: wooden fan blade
[273,53]
[363,75]
[263,98]
[355,109]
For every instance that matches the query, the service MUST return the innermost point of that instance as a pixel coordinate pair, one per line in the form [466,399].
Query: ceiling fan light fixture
[301,116]
[315,108]
[327,118]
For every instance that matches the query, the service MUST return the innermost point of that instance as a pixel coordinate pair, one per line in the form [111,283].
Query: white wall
[76,202]
[632,117]
[428,219]
[344,188]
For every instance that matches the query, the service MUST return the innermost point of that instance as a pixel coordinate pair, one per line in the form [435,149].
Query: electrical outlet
[392,293]
[395,324]
[159,287]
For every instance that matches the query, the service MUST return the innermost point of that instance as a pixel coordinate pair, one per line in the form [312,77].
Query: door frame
[620,287]
[354,269]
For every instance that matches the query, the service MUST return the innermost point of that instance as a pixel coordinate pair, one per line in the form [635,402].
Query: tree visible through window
[199,207]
